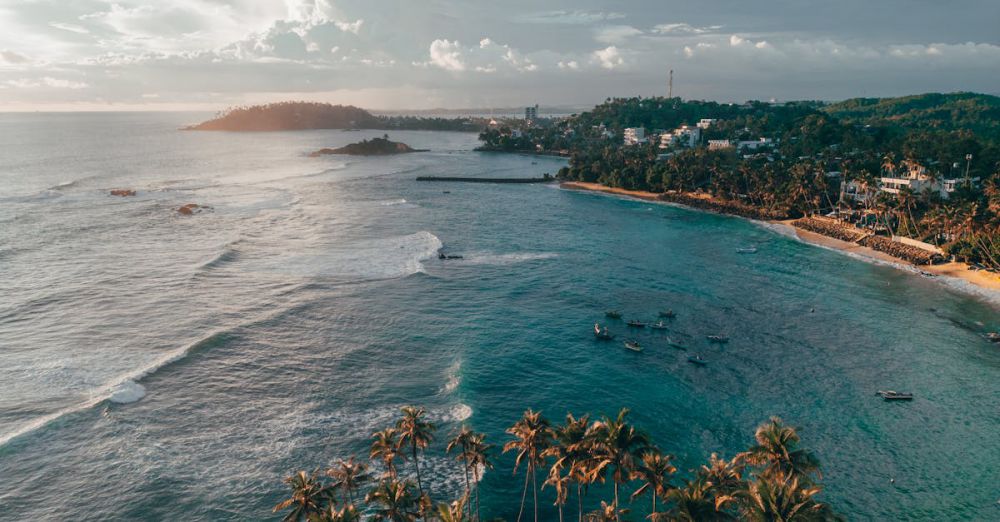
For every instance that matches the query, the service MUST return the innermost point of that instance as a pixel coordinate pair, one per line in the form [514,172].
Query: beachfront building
[951,185]
[914,178]
[634,135]
[719,144]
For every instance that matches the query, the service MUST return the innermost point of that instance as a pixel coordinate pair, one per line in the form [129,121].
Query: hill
[373,147]
[978,113]
[297,115]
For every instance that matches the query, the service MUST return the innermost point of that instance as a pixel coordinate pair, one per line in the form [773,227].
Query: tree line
[774,479]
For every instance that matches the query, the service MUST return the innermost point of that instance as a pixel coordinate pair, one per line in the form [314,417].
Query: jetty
[486,180]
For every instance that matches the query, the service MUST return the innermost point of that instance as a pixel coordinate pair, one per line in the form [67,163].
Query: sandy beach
[981,279]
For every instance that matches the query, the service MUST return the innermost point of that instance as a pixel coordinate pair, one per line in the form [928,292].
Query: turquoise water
[157,366]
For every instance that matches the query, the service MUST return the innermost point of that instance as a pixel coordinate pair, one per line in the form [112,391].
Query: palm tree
[532,437]
[479,459]
[395,501]
[617,445]
[385,448]
[694,502]
[781,498]
[332,514]
[654,472]
[561,484]
[571,452]
[725,476]
[416,432]
[606,513]
[462,441]
[454,512]
[777,452]
[348,475]
[309,497]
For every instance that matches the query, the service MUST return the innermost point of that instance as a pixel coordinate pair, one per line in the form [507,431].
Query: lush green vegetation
[773,480]
[814,163]
[979,113]
[374,147]
[310,115]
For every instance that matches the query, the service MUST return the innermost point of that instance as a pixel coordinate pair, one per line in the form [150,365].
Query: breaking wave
[489,258]
[370,259]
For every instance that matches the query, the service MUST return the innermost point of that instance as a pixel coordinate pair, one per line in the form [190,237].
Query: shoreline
[980,283]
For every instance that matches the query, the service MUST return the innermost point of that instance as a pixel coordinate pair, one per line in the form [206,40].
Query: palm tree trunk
[524,494]
[534,492]
[579,501]
[475,475]
[416,464]
[468,489]
[616,501]
[560,513]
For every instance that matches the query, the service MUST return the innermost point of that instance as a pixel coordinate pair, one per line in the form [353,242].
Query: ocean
[160,366]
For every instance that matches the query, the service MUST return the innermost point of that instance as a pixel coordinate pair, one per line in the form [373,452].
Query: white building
[915,178]
[634,135]
[719,144]
[754,145]
[705,123]
[683,136]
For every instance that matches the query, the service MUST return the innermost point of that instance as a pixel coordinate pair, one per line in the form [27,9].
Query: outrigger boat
[658,326]
[891,395]
[603,335]
[697,360]
[669,314]
[993,337]
[747,250]
[636,323]
[633,345]
[611,314]
[444,256]
[717,339]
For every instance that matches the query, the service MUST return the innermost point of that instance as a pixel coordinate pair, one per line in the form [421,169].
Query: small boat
[602,335]
[658,326]
[747,250]
[636,324]
[669,314]
[697,360]
[675,344]
[446,192]
[611,314]
[717,339]
[993,337]
[891,395]
[443,256]
[633,345]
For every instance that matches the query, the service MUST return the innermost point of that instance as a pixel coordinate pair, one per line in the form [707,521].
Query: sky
[424,54]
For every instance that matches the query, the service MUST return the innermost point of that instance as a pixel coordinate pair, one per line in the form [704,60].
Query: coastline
[980,283]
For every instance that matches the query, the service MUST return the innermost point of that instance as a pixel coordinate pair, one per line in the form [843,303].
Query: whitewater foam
[453,379]
[126,392]
[490,258]
[366,260]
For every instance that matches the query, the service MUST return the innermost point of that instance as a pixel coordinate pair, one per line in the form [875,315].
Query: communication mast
[670,85]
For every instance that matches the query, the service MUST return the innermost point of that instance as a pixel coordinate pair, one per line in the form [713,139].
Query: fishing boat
[993,337]
[675,344]
[633,345]
[717,339]
[891,395]
[697,360]
[636,324]
[658,326]
[747,250]
[611,314]
[602,335]
[669,314]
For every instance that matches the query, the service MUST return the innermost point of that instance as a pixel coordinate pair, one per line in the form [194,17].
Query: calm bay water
[159,366]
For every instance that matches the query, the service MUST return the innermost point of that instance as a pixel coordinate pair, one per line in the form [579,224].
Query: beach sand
[982,279]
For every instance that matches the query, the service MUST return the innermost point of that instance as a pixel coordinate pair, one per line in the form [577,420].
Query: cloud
[73,28]
[615,34]
[447,55]
[46,81]
[350,27]
[684,29]
[609,57]
[570,17]
[11,57]
[571,64]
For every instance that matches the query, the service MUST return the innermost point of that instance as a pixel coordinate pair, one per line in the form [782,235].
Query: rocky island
[374,147]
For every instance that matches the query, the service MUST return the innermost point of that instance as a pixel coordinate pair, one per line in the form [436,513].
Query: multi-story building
[719,144]
[531,113]
[705,123]
[684,136]
[634,135]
